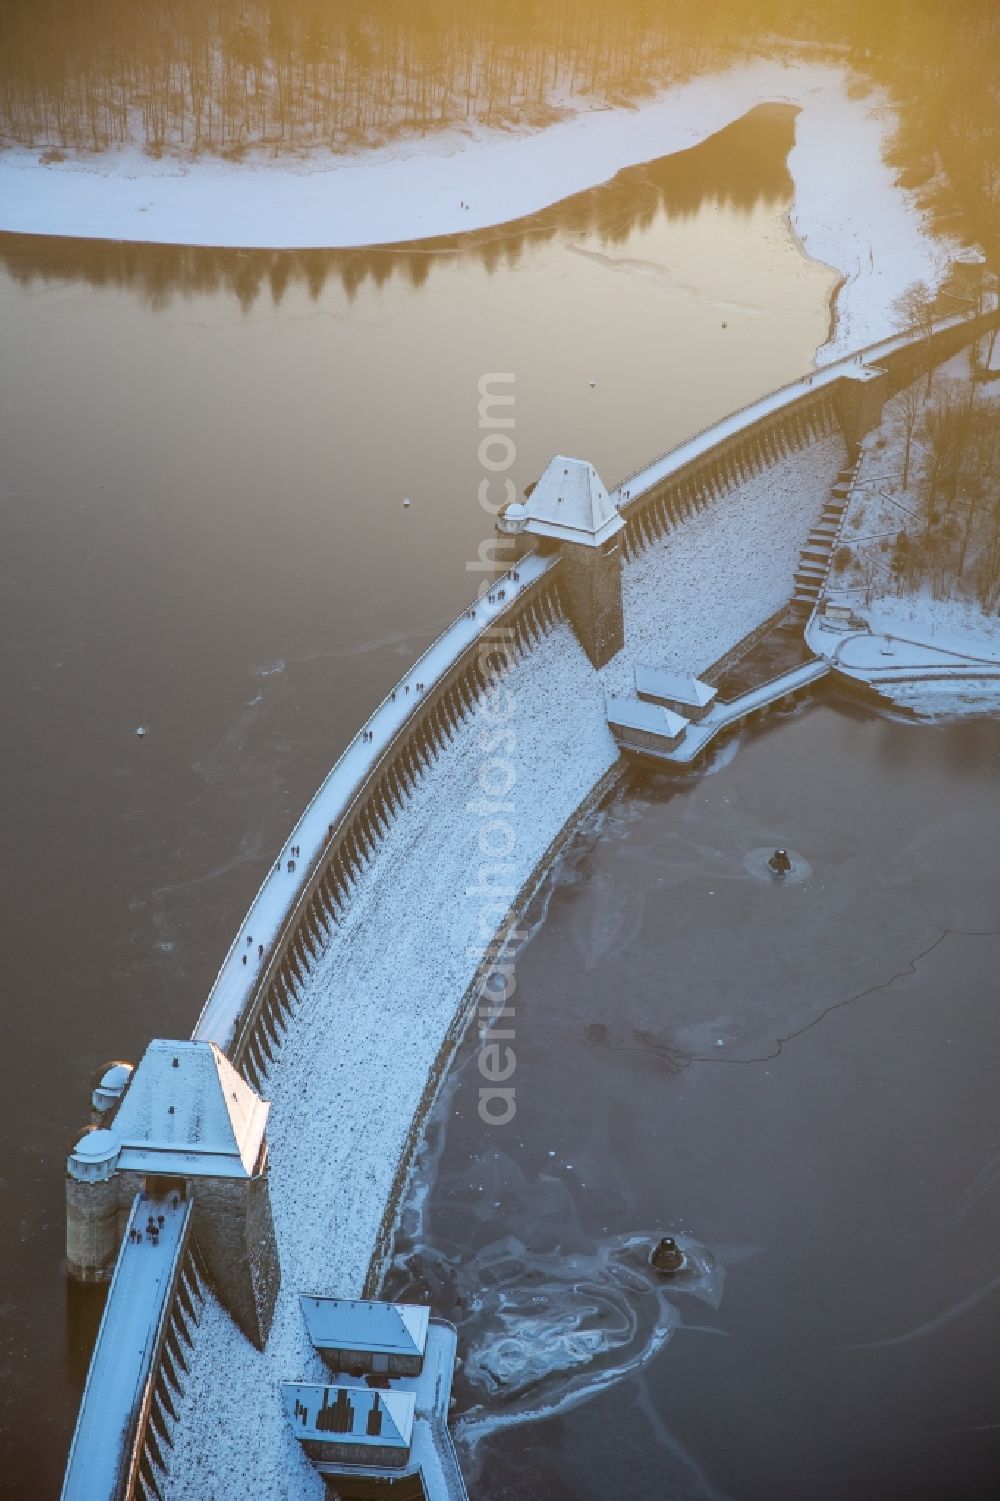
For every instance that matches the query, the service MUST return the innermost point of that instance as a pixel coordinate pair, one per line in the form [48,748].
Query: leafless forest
[226,76]
[933,516]
[956,546]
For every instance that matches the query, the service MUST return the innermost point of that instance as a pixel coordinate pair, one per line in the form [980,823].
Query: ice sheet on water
[544,1332]
[552,1316]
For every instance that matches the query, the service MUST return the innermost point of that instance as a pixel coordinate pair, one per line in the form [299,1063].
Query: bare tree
[914,309]
[870,567]
[911,406]
[988,565]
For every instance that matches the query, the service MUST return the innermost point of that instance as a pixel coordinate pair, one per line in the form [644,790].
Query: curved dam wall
[382,988]
[370,785]
[376,941]
[360,998]
[350,817]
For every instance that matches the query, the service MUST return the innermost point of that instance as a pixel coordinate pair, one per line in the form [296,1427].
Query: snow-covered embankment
[848,210]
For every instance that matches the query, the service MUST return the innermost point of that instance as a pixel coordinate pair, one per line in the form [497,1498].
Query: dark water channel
[798,1081]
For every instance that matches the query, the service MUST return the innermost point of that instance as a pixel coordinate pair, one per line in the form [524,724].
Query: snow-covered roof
[110,1083]
[385,1328]
[96,1145]
[571,504]
[634,714]
[188,1112]
[672,687]
[114,1075]
[350,1414]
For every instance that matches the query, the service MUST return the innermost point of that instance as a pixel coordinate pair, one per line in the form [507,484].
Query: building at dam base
[377,1423]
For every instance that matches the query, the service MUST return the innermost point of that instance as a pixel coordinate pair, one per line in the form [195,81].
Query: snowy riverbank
[848,211]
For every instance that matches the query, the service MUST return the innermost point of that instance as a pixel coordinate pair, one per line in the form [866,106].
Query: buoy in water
[667,1256]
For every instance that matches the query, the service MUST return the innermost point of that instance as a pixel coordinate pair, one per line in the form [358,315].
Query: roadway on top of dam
[122,1362]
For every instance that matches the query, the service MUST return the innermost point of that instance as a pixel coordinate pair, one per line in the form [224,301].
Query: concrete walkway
[122,1362]
[871,658]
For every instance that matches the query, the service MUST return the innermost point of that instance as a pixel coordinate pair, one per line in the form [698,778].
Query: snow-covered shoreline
[848,211]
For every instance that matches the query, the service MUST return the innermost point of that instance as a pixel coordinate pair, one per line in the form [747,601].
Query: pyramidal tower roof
[570,503]
[187,1111]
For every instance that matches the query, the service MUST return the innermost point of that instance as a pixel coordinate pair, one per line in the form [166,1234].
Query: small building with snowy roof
[109,1084]
[183,1124]
[677,691]
[640,726]
[351,1425]
[354,1335]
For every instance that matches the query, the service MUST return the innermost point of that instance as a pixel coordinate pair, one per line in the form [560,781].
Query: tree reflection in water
[740,168]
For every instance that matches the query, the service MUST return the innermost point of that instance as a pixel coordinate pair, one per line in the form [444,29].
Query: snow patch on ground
[955,625]
[348,1079]
[848,210]
[955,699]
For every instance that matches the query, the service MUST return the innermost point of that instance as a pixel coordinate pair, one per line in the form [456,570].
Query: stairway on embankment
[817,552]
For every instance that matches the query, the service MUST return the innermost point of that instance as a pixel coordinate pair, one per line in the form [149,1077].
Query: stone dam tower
[182,1123]
[570,511]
